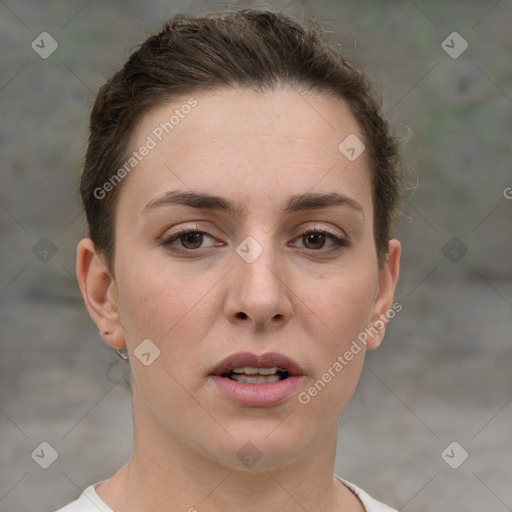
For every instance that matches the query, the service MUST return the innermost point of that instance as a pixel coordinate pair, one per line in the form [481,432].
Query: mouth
[257,369]
[250,375]
[257,380]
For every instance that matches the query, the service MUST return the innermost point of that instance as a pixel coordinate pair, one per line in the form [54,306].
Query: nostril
[241,315]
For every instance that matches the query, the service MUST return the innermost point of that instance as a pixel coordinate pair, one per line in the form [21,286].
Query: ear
[383,309]
[99,292]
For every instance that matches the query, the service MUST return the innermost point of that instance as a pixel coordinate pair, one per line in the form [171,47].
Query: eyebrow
[296,203]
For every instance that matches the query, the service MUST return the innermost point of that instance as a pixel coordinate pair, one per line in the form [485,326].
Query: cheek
[158,306]
[173,313]
[176,312]
[342,311]
[343,303]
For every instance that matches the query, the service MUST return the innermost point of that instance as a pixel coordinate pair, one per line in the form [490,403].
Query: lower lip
[257,395]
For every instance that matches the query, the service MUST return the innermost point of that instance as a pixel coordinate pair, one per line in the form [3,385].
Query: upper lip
[267,360]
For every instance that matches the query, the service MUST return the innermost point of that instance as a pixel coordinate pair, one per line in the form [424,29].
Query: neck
[164,475]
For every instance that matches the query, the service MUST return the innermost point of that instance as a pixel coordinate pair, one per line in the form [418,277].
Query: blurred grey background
[444,372]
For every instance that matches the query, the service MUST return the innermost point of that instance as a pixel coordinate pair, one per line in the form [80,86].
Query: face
[243,230]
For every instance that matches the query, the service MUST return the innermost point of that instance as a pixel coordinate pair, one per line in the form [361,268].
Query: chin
[263,446]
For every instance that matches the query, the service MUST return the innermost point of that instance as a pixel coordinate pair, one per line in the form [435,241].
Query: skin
[302,298]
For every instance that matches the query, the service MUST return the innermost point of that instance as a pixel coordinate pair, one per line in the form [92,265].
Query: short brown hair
[248,48]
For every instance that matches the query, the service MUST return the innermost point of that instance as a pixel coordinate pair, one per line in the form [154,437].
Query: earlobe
[383,308]
[99,292]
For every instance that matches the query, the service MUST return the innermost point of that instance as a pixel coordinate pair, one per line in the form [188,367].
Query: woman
[239,186]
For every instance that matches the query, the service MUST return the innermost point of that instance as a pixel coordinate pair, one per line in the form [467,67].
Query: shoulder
[89,501]
[370,504]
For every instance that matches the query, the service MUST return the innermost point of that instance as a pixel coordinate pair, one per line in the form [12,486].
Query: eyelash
[340,242]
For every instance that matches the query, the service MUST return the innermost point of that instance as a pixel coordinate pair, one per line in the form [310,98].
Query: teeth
[260,379]
[251,375]
[255,371]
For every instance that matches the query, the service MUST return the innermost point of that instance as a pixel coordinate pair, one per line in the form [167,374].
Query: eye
[315,239]
[190,240]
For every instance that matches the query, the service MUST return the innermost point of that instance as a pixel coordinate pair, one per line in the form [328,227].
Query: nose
[257,290]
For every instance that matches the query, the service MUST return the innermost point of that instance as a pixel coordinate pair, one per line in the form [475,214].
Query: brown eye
[187,240]
[192,240]
[314,240]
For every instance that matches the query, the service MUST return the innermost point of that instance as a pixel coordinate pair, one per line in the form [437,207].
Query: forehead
[247,142]
[244,113]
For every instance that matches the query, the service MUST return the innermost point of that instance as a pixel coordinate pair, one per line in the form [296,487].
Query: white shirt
[89,501]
